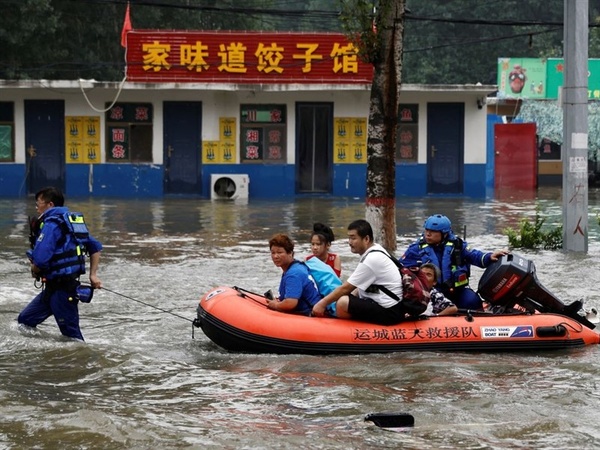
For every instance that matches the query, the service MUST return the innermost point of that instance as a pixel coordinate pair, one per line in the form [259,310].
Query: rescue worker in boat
[440,246]
[59,240]
[320,244]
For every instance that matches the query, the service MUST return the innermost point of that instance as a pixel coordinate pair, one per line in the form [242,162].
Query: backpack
[415,293]
[323,275]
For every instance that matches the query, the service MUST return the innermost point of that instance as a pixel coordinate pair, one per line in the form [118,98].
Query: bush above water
[531,235]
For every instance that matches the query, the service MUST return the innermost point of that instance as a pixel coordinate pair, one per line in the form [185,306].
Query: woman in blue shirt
[297,289]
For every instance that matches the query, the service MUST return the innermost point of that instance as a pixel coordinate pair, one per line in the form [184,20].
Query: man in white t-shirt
[359,298]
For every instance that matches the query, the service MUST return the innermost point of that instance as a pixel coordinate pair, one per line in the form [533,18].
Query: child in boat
[438,304]
[320,243]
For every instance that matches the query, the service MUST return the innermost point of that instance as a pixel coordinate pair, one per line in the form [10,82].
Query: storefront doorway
[314,147]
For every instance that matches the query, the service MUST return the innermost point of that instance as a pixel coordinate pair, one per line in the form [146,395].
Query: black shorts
[368,310]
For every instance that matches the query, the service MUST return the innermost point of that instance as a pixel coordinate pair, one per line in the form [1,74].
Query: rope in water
[147,304]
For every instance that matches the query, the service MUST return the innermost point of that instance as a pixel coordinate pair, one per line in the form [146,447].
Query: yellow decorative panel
[228,138]
[350,140]
[82,139]
[211,152]
[228,151]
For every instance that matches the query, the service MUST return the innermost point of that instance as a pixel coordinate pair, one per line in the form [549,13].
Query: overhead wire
[482,40]
[279,10]
[227,8]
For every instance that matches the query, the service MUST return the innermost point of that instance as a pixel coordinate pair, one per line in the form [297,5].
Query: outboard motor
[512,280]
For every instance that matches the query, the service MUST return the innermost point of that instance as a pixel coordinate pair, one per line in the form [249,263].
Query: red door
[515,156]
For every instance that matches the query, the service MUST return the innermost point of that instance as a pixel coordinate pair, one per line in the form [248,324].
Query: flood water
[142,382]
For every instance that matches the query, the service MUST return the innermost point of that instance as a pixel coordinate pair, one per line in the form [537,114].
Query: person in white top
[359,297]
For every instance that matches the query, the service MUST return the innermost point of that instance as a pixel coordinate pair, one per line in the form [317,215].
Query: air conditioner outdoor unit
[227,186]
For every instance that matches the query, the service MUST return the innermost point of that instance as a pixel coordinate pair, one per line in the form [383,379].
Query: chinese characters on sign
[124,121]
[555,73]
[82,139]
[402,334]
[235,57]
[407,133]
[350,140]
[263,133]
[548,150]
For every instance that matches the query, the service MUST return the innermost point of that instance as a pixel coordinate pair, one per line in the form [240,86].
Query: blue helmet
[437,222]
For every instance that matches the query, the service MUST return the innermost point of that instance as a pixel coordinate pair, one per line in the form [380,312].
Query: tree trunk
[383,113]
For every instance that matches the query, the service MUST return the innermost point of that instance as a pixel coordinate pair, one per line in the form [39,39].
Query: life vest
[330,261]
[455,273]
[69,259]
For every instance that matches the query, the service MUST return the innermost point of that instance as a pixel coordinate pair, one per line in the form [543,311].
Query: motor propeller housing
[512,280]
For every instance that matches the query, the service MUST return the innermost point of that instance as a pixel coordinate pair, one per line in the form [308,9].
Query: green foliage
[71,39]
[357,18]
[460,41]
[445,42]
[531,235]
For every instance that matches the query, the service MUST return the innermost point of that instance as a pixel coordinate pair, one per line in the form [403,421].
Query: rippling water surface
[142,382]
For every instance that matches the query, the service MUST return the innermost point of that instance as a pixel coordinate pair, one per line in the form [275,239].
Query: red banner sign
[243,57]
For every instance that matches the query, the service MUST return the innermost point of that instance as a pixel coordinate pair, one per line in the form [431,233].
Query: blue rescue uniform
[59,252]
[454,258]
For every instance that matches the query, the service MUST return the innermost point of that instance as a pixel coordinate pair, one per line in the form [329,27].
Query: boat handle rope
[572,327]
[243,293]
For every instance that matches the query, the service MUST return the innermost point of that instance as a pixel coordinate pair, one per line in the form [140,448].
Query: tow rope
[155,307]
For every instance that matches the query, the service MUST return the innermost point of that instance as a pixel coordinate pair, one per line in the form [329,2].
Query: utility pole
[383,118]
[575,127]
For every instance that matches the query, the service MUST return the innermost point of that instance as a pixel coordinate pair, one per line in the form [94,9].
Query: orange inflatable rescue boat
[238,320]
